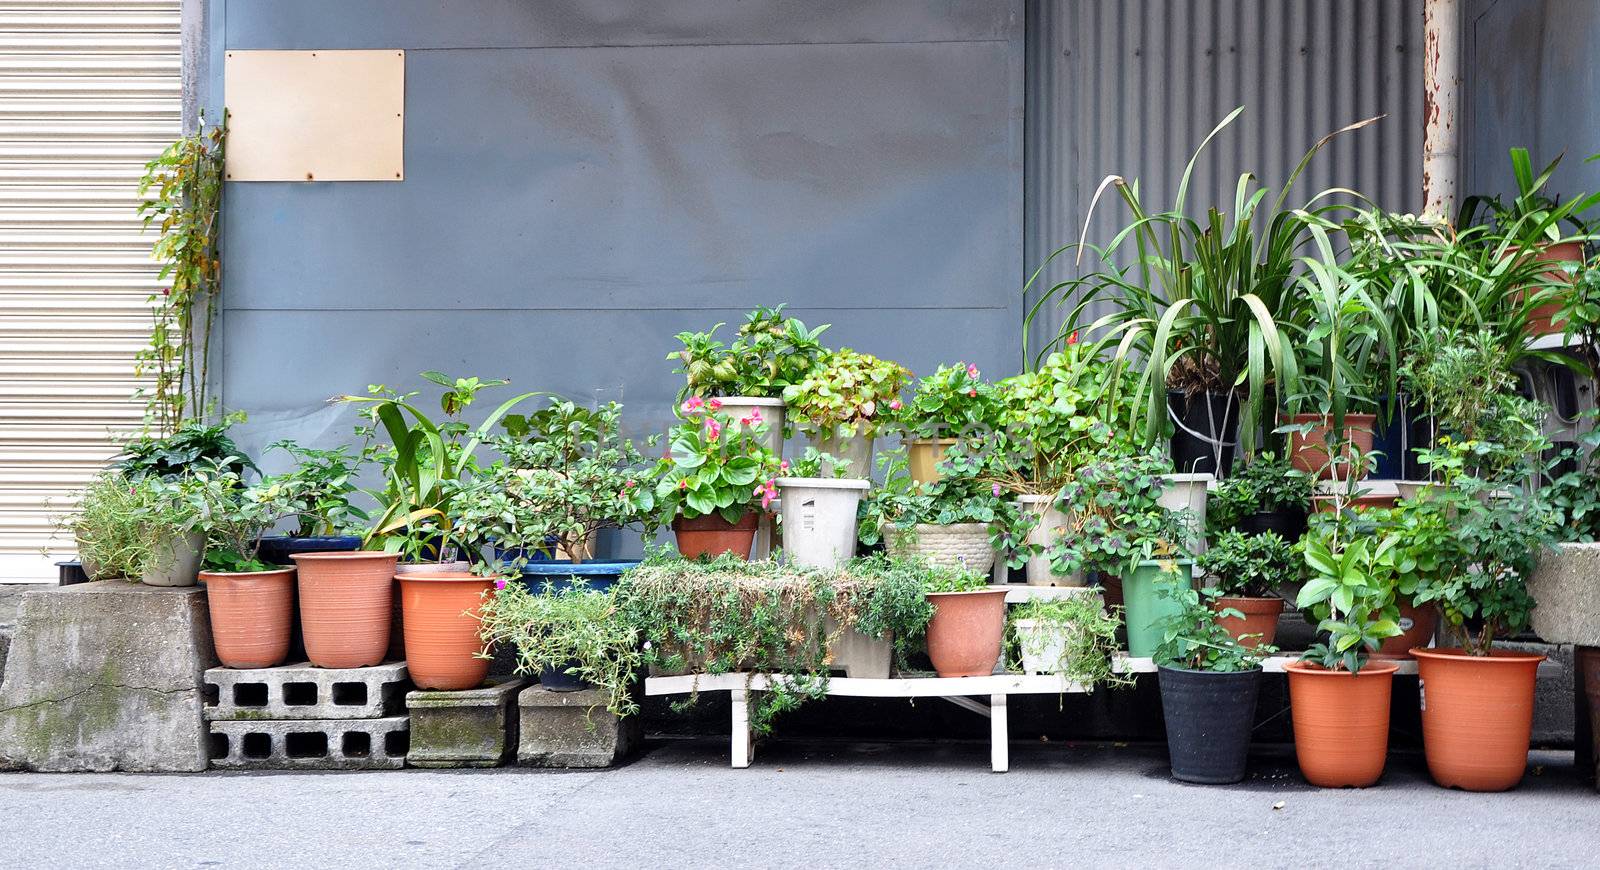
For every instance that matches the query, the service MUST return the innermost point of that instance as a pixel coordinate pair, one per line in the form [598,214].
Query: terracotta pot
[441,620]
[1309,451]
[1477,716]
[250,616]
[1541,320]
[1418,622]
[1260,618]
[924,455]
[1324,504]
[711,535]
[964,633]
[346,601]
[1341,722]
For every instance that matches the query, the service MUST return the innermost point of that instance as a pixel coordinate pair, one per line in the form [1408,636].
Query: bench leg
[743,745]
[999,735]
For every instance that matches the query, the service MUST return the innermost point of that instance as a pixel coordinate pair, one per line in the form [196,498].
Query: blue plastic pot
[556,576]
[277,549]
[558,680]
[507,556]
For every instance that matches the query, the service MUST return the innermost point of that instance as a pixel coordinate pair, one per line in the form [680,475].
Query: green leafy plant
[192,445]
[1116,516]
[1078,629]
[952,402]
[1532,217]
[846,394]
[105,525]
[814,463]
[1351,594]
[1251,566]
[318,489]
[234,515]
[1466,383]
[1343,337]
[770,353]
[1571,488]
[715,464]
[1191,637]
[578,631]
[1265,484]
[425,463]
[895,508]
[181,195]
[564,477]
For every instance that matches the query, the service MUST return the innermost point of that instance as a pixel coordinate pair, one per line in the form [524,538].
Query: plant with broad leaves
[715,464]
[1351,594]
[192,445]
[814,463]
[1116,518]
[952,402]
[846,394]
[770,353]
[1192,639]
[1266,484]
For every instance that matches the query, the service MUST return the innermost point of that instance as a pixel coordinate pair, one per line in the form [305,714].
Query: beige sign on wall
[315,115]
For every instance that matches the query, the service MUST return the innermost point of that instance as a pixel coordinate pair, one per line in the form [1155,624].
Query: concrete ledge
[474,728]
[1566,586]
[572,729]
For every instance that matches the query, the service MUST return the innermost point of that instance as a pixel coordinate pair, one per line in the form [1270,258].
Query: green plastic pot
[1145,608]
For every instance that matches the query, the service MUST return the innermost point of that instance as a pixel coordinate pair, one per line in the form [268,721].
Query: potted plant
[440,613]
[947,522]
[819,506]
[1340,699]
[168,517]
[322,482]
[105,528]
[968,622]
[564,474]
[716,473]
[1248,571]
[1266,495]
[949,405]
[1122,532]
[1072,636]
[193,444]
[571,638]
[250,600]
[843,402]
[1209,683]
[771,353]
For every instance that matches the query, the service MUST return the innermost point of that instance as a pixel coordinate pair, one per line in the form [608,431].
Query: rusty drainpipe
[1441,106]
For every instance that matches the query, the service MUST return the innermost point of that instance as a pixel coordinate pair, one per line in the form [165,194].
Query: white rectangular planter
[819,519]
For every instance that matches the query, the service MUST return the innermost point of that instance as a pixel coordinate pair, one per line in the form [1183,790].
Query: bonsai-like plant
[425,463]
[1116,516]
[581,632]
[318,490]
[1192,638]
[1265,485]
[952,402]
[715,464]
[1250,566]
[1077,629]
[566,474]
[846,394]
[770,353]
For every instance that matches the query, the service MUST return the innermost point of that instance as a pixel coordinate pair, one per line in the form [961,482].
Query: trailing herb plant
[110,539]
[1081,632]
[1251,566]
[1192,639]
[770,353]
[581,632]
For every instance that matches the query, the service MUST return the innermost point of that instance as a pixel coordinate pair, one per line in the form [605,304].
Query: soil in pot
[965,631]
[1205,425]
[1144,607]
[346,604]
[1341,722]
[1418,622]
[1258,626]
[711,535]
[1209,717]
[924,455]
[251,616]
[1308,451]
[441,629]
[1477,716]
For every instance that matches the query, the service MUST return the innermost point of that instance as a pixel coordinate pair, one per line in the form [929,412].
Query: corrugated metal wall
[1132,86]
[89,91]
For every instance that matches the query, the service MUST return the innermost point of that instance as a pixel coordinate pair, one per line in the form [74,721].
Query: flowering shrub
[847,394]
[715,464]
[952,401]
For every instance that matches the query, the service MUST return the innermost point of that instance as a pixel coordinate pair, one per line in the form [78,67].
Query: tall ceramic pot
[819,519]
[1258,625]
[1051,526]
[1144,607]
[175,560]
[346,606]
[963,546]
[441,629]
[854,450]
[965,631]
[1186,494]
[251,615]
[711,535]
[1209,716]
[923,456]
[1477,716]
[1341,722]
[1308,451]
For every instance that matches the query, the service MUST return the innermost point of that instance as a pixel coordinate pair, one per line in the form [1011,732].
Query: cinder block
[474,728]
[572,729]
[310,744]
[301,691]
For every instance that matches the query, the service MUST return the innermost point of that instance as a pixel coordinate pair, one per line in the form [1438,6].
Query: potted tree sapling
[1209,685]
[843,403]
[947,522]
[819,506]
[949,406]
[1248,571]
[322,482]
[715,480]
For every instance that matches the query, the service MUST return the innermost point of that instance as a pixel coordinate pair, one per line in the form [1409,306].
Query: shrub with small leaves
[1251,566]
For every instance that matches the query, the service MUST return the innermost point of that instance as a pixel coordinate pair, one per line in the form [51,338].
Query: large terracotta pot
[1260,618]
[924,455]
[1309,451]
[441,620]
[711,535]
[965,631]
[346,601]
[1541,320]
[1417,625]
[250,616]
[1341,722]
[1477,716]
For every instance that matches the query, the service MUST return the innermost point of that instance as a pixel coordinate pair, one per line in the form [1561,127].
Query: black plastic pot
[1209,717]
[276,549]
[71,573]
[1203,423]
[558,680]
[1290,524]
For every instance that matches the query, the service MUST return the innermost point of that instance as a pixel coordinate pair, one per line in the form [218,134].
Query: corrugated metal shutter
[89,91]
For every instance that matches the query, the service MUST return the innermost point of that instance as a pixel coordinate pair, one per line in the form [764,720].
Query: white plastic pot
[175,561]
[819,519]
[854,450]
[1187,492]
[772,412]
[957,545]
[1051,526]
[1042,643]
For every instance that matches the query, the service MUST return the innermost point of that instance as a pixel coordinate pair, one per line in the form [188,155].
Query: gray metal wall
[586,178]
[1132,86]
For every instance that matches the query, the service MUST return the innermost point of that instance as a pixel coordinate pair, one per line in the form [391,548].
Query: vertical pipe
[1441,106]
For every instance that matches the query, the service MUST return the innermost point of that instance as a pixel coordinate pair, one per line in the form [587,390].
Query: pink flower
[972,370]
[784,465]
[895,405]
[972,393]
[499,582]
[1073,338]
[768,492]
[683,484]
[755,417]
[694,404]
[713,429]
[995,490]
[715,404]
[629,484]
